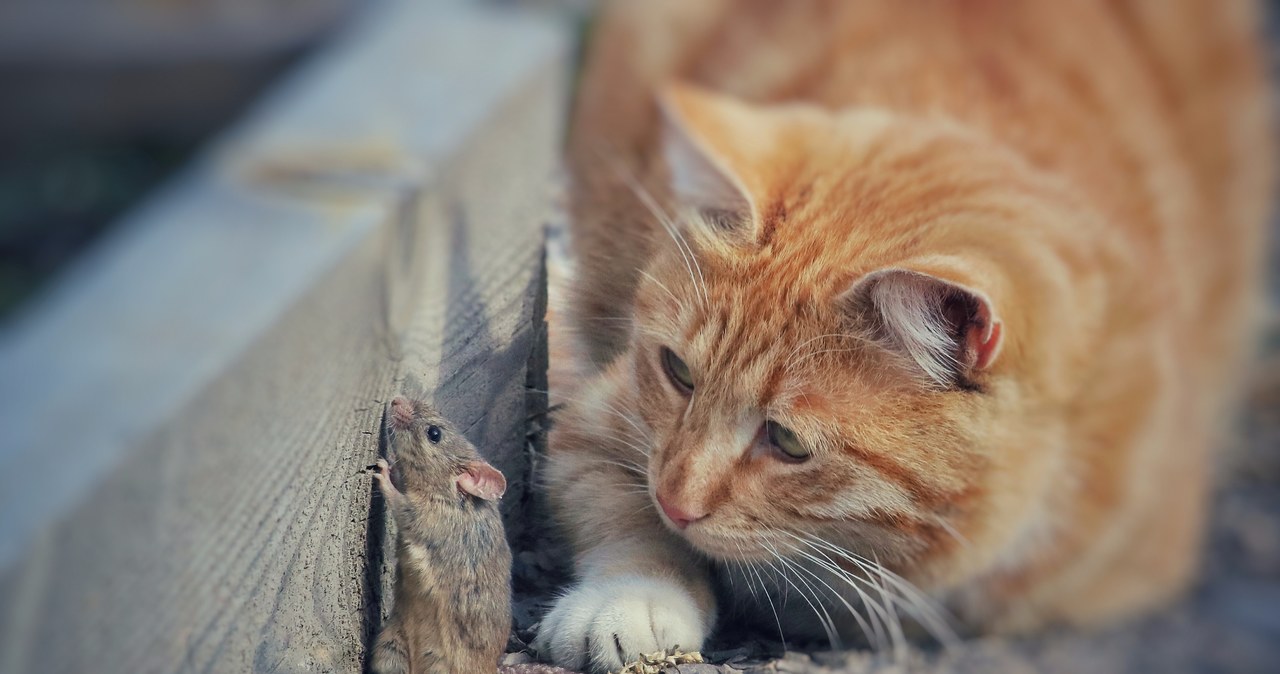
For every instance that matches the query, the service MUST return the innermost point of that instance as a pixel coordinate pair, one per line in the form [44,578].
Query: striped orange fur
[991,266]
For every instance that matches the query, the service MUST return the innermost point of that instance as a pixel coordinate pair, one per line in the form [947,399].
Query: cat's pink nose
[679,517]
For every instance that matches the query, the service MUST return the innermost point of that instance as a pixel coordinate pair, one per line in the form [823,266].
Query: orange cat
[894,303]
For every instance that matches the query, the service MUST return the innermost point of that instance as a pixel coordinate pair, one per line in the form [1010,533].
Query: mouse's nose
[680,517]
[401,411]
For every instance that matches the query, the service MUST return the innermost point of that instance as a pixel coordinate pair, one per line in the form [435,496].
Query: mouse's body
[452,604]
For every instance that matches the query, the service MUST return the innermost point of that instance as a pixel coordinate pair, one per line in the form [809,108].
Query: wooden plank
[186,415]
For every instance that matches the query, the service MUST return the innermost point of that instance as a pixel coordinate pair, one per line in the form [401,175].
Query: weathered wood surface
[185,417]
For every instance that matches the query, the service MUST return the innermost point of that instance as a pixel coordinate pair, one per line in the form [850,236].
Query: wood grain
[222,523]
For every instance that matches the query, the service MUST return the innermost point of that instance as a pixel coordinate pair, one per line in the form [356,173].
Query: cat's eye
[786,441]
[434,434]
[677,371]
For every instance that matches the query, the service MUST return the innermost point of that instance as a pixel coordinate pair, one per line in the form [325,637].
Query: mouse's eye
[434,434]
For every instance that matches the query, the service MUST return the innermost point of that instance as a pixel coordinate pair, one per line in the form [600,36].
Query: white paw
[601,625]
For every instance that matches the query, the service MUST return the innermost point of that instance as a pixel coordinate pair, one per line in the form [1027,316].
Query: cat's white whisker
[664,287]
[946,526]
[876,613]
[647,506]
[626,442]
[829,564]
[650,204]
[742,568]
[818,606]
[599,404]
[621,319]
[632,468]
[890,601]
[874,636]
[764,587]
[794,351]
[923,608]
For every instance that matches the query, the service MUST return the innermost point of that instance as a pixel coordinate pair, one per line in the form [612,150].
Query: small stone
[516,659]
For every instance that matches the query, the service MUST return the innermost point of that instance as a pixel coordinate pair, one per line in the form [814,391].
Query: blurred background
[105,99]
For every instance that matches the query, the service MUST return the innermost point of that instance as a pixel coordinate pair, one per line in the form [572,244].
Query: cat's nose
[678,516]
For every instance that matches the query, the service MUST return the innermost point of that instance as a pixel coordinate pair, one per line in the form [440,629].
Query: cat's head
[828,347]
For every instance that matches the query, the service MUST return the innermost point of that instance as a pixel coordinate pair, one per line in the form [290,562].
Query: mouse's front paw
[603,624]
[382,477]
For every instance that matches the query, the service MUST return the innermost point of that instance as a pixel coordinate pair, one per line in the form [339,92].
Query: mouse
[452,596]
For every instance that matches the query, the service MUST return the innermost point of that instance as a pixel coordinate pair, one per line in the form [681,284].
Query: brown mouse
[452,610]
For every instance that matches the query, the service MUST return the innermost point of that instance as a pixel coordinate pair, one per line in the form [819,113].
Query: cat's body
[989,265]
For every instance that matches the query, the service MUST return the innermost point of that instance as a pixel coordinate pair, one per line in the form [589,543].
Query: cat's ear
[951,331]
[480,479]
[694,122]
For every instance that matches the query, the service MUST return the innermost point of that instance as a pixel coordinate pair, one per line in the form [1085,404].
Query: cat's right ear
[950,329]
[693,124]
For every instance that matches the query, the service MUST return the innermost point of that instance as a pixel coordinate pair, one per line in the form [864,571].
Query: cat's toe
[604,624]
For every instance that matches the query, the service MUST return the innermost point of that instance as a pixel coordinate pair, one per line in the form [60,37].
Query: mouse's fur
[452,610]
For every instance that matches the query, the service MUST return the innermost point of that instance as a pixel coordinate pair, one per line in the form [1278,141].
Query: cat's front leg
[635,595]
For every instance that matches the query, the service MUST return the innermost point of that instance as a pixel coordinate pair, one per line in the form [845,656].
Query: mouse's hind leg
[391,651]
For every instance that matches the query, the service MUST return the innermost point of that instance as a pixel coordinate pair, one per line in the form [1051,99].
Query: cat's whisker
[873,579]
[664,287]
[818,606]
[946,526]
[647,506]
[882,625]
[875,637]
[650,204]
[599,404]
[771,568]
[625,441]
[622,319]
[627,487]
[853,579]
[674,230]
[634,469]
[632,493]
[922,607]
[764,587]
[815,354]
[876,614]
[798,359]
[742,567]
[801,345]
[890,601]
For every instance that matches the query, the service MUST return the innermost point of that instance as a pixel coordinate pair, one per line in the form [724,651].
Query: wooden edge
[186,412]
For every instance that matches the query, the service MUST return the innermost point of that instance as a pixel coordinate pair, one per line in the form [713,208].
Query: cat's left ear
[948,328]
[697,143]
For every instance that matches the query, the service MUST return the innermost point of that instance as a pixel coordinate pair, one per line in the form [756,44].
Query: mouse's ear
[482,480]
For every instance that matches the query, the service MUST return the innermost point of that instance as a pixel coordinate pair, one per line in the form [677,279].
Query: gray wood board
[185,417]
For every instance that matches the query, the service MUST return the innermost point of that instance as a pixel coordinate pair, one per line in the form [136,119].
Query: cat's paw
[603,624]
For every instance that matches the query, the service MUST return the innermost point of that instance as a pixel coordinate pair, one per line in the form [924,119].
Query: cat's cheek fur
[605,623]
